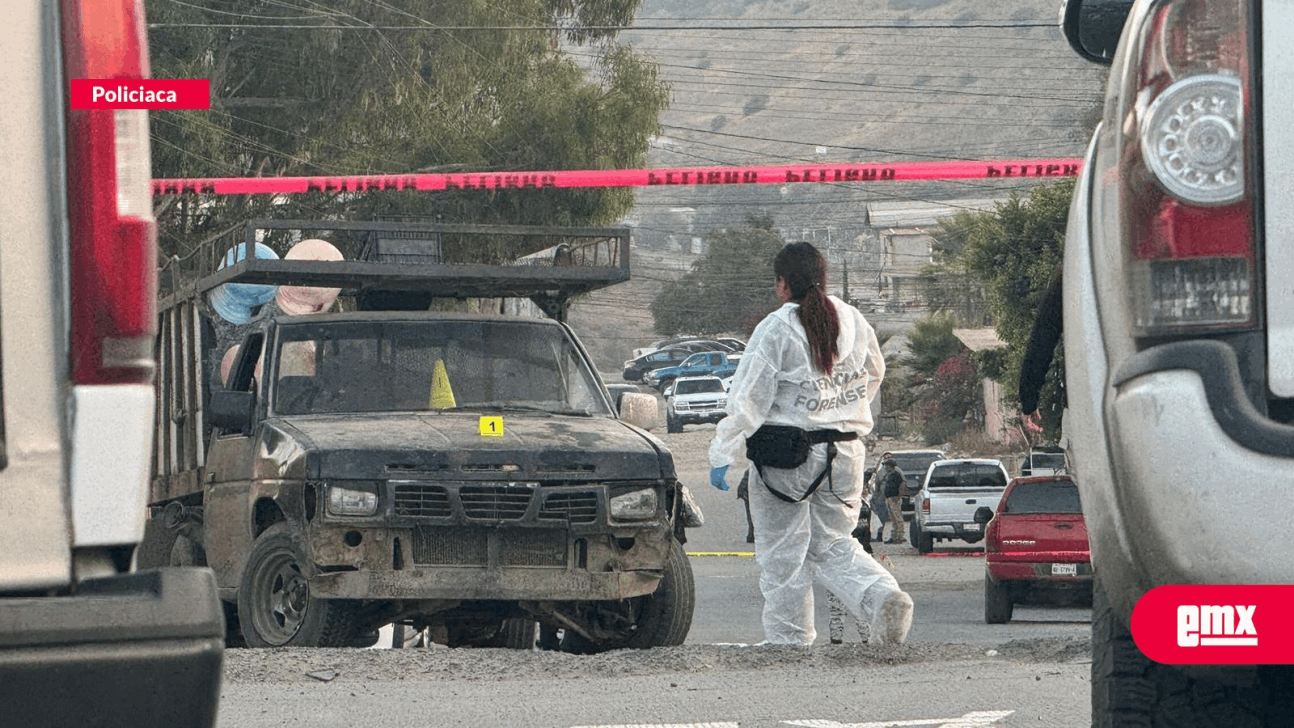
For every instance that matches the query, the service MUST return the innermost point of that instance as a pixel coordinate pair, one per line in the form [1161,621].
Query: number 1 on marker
[491,426]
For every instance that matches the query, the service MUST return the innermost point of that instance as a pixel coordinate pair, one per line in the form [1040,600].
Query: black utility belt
[787,446]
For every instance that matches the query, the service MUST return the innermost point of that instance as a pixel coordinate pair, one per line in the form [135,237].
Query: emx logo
[1215,625]
[1210,625]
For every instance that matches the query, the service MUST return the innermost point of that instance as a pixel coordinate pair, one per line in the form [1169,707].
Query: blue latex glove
[718,477]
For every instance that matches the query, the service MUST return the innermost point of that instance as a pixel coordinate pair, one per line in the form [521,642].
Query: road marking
[970,720]
[664,725]
[721,553]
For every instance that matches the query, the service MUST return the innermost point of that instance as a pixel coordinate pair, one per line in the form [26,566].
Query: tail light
[925,506]
[113,237]
[1190,243]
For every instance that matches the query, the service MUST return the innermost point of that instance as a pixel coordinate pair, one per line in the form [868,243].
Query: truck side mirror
[231,410]
[639,410]
[983,515]
[1093,27]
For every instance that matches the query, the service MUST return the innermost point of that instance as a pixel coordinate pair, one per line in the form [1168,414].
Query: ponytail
[805,272]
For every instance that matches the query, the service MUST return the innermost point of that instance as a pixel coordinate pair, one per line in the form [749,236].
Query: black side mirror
[983,515]
[1093,27]
[230,410]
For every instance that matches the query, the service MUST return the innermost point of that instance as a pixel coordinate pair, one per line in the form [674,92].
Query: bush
[975,443]
[939,431]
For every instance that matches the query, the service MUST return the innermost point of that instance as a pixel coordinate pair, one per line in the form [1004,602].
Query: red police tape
[682,176]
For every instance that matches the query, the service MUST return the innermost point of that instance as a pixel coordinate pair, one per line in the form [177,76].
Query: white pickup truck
[950,494]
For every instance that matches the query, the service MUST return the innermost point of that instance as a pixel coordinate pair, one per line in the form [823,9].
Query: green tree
[948,286]
[730,288]
[930,344]
[397,87]
[939,383]
[951,394]
[1014,252]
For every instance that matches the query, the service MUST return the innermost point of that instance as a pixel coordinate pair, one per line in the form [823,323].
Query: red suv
[1035,547]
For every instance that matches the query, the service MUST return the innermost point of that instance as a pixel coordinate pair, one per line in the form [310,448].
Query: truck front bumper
[699,418]
[469,583]
[964,531]
[484,563]
[143,649]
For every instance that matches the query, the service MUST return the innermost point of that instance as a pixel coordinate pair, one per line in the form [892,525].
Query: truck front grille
[439,545]
[570,507]
[562,503]
[697,405]
[495,502]
[533,547]
[459,546]
[422,501]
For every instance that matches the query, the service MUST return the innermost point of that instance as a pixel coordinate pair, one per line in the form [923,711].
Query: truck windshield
[1056,496]
[968,475]
[370,366]
[914,465]
[698,386]
[1048,461]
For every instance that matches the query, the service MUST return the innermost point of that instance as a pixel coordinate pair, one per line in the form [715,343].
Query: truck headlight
[352,499]
[634,506]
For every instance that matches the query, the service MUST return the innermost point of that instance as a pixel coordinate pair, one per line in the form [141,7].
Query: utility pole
[844,278]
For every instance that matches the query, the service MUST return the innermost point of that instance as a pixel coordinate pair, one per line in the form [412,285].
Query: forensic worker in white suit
[814,364]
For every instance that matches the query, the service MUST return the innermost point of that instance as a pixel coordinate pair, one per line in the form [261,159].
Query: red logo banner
[1216,624]
[147,93]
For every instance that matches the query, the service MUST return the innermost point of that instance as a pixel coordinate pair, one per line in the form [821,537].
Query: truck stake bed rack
[580,261]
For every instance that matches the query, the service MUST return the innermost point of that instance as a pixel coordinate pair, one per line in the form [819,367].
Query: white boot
[892,620]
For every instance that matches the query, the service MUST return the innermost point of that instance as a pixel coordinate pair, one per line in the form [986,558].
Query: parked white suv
[694,400]
[1179,337]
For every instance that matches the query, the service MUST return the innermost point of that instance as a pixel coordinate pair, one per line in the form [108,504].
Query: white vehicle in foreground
[1179,339]
[87,639]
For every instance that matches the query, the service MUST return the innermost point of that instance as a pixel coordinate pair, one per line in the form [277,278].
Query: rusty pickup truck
[466,477]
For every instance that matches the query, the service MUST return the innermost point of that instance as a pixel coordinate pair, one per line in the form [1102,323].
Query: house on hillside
[906,233]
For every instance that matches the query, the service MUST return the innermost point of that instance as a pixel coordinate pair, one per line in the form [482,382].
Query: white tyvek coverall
[797,543]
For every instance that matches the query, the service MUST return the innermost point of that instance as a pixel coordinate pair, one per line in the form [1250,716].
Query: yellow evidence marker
[491,426]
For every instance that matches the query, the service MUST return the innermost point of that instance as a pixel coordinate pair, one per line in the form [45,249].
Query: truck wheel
[997,602]
[914,534]
[672,425]
[1128,689]
[660,619]
[274,602]
[925,542]
[667,612]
